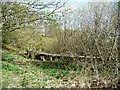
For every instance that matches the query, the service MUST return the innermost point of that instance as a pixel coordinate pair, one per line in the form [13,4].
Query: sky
[74,1]
[69,1]
[73,4]
[78,1]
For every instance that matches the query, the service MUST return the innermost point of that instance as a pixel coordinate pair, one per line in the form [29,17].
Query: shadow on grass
[63,65]
[52,68]
[49,64]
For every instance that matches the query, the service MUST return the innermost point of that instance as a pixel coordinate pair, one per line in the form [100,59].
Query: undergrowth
[18,71]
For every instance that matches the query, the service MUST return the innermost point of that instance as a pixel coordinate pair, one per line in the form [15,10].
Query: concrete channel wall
[52,57]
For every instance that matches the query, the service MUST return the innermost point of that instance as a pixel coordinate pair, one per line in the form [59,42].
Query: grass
[18,71]
[27,74]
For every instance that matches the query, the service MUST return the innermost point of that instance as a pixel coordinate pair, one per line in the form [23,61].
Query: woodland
[54,27]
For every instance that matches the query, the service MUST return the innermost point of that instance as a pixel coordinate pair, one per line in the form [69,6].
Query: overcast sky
[78,1]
